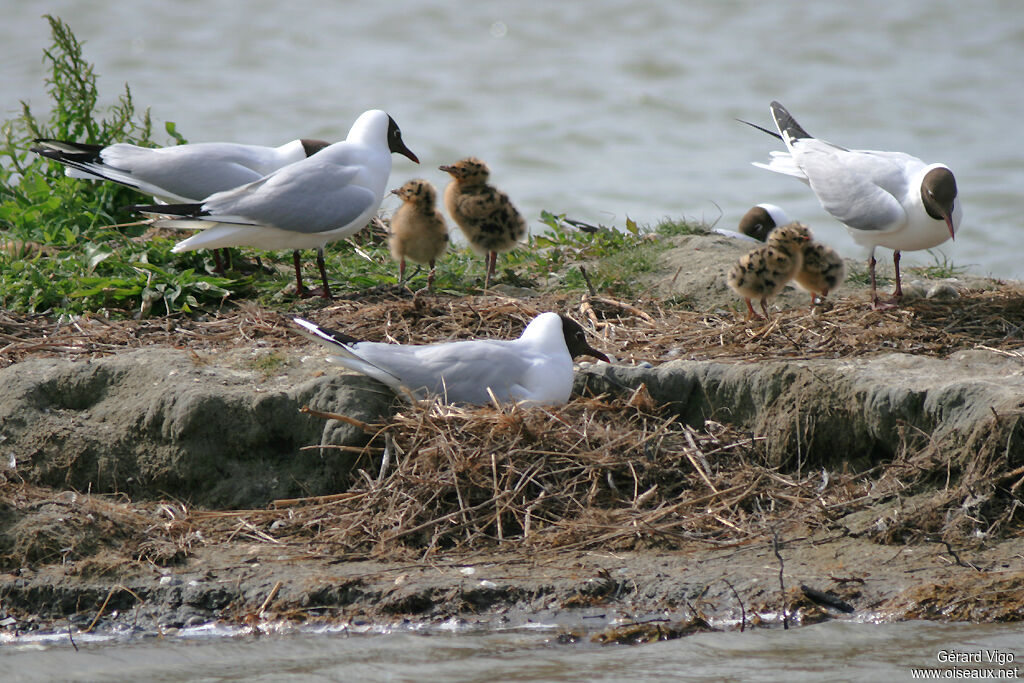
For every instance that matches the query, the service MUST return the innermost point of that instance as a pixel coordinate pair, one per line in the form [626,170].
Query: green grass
[88,263]
[671,227]
[940,269]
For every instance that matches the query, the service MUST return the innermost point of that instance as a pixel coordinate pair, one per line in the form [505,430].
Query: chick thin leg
[750,310]
[430,278]
[492,258]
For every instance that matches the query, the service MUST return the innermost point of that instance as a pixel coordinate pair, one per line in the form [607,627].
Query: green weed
[89,264]
[941,268]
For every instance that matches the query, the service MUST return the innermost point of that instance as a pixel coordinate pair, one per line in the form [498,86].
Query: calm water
[600,109]
[836,651]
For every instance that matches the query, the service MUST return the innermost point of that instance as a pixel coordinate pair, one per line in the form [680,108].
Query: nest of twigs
[610,472]
[639,330]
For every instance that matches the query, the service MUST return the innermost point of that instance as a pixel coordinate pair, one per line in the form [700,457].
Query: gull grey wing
[462,371]
[314,198]
[859,189]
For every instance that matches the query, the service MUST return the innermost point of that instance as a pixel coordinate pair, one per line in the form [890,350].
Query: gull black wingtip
[314,331]
[183,210]
[786,123]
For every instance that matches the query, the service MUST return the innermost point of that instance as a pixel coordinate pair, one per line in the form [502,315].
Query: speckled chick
[485,214]
[821,272]
[762,273]
[418,230]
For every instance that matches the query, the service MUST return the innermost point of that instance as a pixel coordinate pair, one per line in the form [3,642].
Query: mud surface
[161,474]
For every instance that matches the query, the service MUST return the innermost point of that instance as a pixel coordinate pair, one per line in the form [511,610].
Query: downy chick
[821,272]
[762,273]
[485,214]
[418,230]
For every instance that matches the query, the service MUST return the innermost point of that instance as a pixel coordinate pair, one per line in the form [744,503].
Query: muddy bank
[831,466]
[160,474]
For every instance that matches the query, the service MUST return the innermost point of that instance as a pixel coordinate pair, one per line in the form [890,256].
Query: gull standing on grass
[178,174]
[484,213]
[536,368]
[305,205]
[885,199]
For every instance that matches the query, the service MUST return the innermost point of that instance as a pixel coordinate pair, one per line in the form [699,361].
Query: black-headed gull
[757,223]
[182,173]
[305,205]
[885,199]
[484,213]
[763,272]
[179,174]
[418,230]
[536,368]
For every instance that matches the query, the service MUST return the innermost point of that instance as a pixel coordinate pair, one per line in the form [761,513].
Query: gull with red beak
[885,199]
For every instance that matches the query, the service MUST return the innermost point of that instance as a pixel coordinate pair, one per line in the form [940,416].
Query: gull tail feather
[782,162]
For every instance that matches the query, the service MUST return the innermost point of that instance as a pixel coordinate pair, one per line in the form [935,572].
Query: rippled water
[600,109]
[835,651]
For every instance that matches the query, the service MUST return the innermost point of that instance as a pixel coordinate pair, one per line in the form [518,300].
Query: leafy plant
[87,263]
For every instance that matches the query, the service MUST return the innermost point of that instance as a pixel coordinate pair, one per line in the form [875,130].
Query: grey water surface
[601,109]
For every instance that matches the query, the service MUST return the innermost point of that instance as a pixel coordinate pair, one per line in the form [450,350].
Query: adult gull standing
[305,205]
[885,199]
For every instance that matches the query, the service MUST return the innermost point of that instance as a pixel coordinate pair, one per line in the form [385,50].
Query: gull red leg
[321,264]
[896,263]
[297,260]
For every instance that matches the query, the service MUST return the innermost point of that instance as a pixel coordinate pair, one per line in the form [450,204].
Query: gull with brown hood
[536,368]
[885,199]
